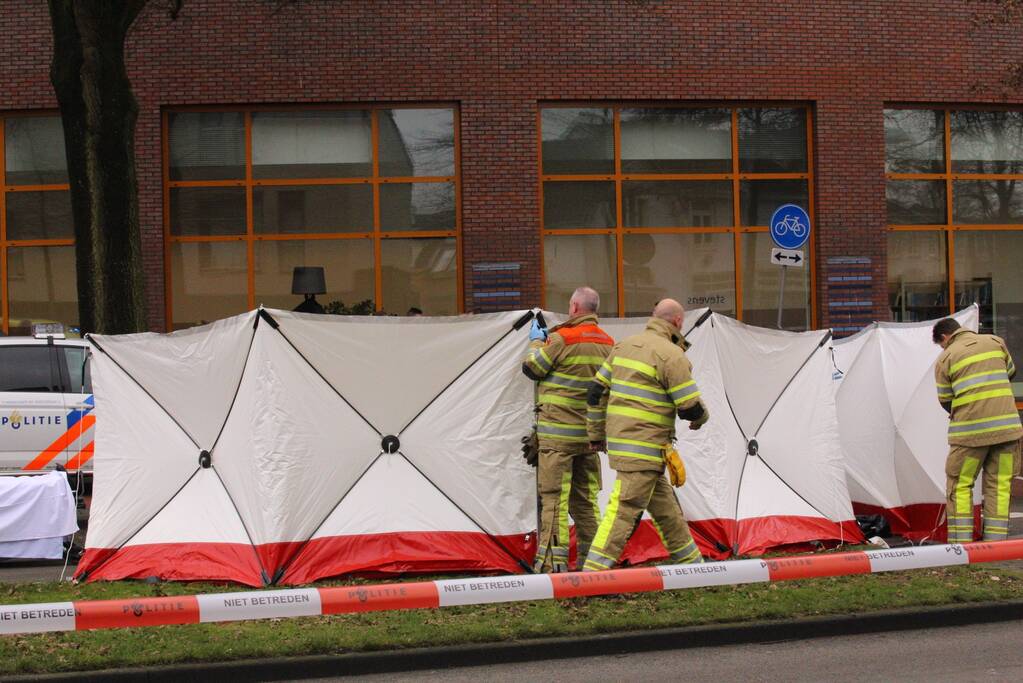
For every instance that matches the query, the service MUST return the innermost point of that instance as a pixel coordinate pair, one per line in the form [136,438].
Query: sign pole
[781,295]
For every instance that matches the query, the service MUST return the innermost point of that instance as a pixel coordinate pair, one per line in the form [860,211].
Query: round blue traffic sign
[790,226]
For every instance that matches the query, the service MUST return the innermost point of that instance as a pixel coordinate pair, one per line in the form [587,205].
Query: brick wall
[497,59]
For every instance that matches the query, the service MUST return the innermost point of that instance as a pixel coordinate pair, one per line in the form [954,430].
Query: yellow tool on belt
[676,470]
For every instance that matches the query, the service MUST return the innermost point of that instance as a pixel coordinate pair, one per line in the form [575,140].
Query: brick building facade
[499,64]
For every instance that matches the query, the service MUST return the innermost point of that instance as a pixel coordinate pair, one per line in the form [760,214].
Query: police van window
[26,368]
[77,370]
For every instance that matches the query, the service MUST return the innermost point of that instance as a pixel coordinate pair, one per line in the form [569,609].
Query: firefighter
[563,363]
[646,381]
[972,376]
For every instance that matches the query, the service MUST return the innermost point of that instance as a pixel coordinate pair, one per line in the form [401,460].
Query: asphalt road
[988,652]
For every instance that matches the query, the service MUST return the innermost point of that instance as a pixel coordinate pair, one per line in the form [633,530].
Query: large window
[644,203]
[955,215]
[370,194]
[37,254]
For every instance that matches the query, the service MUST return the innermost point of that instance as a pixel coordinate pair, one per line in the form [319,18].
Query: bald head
[670,311]
[584,300]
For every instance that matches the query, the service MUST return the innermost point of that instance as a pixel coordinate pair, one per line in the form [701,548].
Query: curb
[479,654]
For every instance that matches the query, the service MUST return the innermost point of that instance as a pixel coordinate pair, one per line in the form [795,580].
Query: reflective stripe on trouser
[634,492]
[568,485]
[999,463]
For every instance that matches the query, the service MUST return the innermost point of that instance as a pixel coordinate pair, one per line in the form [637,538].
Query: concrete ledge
[553,648]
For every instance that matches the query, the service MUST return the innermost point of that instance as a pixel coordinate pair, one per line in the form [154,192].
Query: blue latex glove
[537,333]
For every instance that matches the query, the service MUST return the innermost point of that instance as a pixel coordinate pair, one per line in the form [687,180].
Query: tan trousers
[633,493]
[1000,463]
[568,485]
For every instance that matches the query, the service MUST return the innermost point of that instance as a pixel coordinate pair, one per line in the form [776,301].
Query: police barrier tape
[302,602]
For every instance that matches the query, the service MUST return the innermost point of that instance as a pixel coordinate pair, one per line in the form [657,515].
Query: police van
[47,410]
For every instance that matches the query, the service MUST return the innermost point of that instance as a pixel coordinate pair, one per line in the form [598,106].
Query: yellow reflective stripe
[1005,463]
[582,360]
[982,396]
[634,442]
[964,486]
[949,386]
[604,530]
[637,365]
[555,400]
[593,484]
[626,454]
[641,399]
[660,534]
[639,414]
[682,386]
[566,490]
[976,358]
[656,388]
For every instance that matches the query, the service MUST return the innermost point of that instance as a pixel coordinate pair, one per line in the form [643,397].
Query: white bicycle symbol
[788,223]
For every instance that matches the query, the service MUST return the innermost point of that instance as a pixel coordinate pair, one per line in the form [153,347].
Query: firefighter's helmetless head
[671,311]
[943,330]
[585,300]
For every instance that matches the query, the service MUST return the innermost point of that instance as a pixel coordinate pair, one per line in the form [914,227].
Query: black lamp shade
[308,280]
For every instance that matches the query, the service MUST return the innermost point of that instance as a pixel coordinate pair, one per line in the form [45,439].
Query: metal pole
[781,295]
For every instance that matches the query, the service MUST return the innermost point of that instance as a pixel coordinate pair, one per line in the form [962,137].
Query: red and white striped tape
[302,602]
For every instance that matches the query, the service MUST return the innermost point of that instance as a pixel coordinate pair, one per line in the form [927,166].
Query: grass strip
[89,650]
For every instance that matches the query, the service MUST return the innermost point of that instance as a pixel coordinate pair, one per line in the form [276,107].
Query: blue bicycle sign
[790,226]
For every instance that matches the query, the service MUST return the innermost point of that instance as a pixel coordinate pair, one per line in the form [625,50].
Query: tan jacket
[649,379]
[564,366]
[972,377]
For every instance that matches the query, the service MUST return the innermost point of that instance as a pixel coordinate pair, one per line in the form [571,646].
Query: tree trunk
[99,112]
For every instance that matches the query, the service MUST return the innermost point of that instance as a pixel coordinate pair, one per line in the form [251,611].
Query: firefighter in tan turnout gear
[972,377]
[646,381]
[563,364]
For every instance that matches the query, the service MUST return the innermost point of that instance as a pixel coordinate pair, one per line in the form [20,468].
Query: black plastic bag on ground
[874,525]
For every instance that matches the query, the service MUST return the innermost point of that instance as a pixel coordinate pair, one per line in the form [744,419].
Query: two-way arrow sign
[787,257]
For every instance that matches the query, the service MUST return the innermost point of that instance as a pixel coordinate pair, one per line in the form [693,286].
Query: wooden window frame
[249,237]
[734,175]
[5,189]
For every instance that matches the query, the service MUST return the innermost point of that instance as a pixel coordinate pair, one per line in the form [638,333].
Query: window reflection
[916,202]
[572,204]
[987,141]
[998,202]
[677,203]
[772,140]
[571,261]
[577,140]
[760,198]
[41,287]
[420,273]
[34,150]
[914,140]
[917,276]
[417,142]
[696,269]
[311,144]
[207,145]
[676,140]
